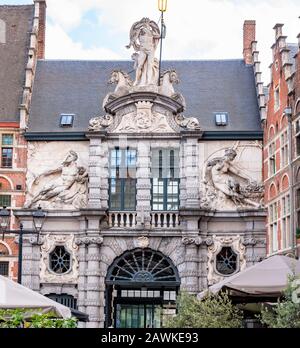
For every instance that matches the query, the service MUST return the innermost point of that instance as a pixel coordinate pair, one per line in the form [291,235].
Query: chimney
[278,30]
[249,37]
[42,27]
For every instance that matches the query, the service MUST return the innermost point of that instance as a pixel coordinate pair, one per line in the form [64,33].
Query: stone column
[143,184]
[31,263]
[93,291]
[190,279]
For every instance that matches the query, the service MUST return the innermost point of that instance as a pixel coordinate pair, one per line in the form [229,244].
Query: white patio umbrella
[14,295]
[267,278]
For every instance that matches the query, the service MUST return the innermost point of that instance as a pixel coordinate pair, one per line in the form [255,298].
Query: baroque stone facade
[202,199]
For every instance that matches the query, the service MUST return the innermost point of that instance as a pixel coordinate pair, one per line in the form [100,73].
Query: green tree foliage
[24,318]
[211,312]
[286,313]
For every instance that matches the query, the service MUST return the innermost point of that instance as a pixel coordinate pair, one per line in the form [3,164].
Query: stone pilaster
[93,285]
[143,184]
[31,263]
[191,272]
[191,173]
[82,256]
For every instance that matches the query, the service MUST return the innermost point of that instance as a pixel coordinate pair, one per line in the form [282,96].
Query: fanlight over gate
[143,266]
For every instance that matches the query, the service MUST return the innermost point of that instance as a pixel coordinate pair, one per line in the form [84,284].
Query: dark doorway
[141,290]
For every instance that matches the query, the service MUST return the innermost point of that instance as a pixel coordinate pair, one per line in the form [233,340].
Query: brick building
[22,37]
[280,147]
[295,103]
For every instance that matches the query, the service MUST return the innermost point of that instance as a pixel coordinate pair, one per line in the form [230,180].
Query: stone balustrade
[163,219]
[122,219]
[159,219]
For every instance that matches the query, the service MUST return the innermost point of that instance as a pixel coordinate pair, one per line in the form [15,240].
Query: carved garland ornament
[98,123]
[50,243]
[190,123]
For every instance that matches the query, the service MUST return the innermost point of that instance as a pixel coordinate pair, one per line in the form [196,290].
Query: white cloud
[61,46]
[206,29]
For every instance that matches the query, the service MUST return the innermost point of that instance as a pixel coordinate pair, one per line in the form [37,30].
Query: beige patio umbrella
[14,295]
[265,280]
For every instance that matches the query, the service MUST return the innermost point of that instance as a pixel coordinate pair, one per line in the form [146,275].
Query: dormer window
[221,118]
[66,120]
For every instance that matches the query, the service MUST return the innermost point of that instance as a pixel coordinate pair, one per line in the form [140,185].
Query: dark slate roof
[13,58]
[78,87]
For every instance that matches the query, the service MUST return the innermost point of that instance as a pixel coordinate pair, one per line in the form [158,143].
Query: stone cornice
[164,101]
[55,136]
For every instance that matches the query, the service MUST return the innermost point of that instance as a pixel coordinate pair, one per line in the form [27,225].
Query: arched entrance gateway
[141,289]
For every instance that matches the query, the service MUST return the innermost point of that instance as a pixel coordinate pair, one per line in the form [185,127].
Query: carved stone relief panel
[57,181]
[231,178]
[144,119]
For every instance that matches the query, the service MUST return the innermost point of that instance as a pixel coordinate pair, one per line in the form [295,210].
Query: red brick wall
[42,30]
[248,38]
[275,125]
[10,178]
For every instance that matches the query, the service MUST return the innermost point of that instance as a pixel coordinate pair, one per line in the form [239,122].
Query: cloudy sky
[196,29]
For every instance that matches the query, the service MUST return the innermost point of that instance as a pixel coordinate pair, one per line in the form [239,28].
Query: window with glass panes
[273,226]
[7,141]
[5,201]
[297,136]
[122,180]
[276,99]
[298,206]
[272,159]
[165,179]
[4,268]
[285,222]
[284,149]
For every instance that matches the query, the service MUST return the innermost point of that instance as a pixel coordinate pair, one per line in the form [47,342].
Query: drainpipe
[288,113]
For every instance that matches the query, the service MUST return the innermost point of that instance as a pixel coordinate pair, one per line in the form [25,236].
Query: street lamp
[162,7]
[38,222]
[4,220]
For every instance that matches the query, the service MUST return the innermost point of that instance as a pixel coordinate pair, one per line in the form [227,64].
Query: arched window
[141,284]
[3,250]
[143,266]
[226,261]
[60,260]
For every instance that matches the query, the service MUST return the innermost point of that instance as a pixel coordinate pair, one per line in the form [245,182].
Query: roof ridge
[128,60]
[10,6]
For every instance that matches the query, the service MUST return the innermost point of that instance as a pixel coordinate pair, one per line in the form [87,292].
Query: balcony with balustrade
[158,219]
